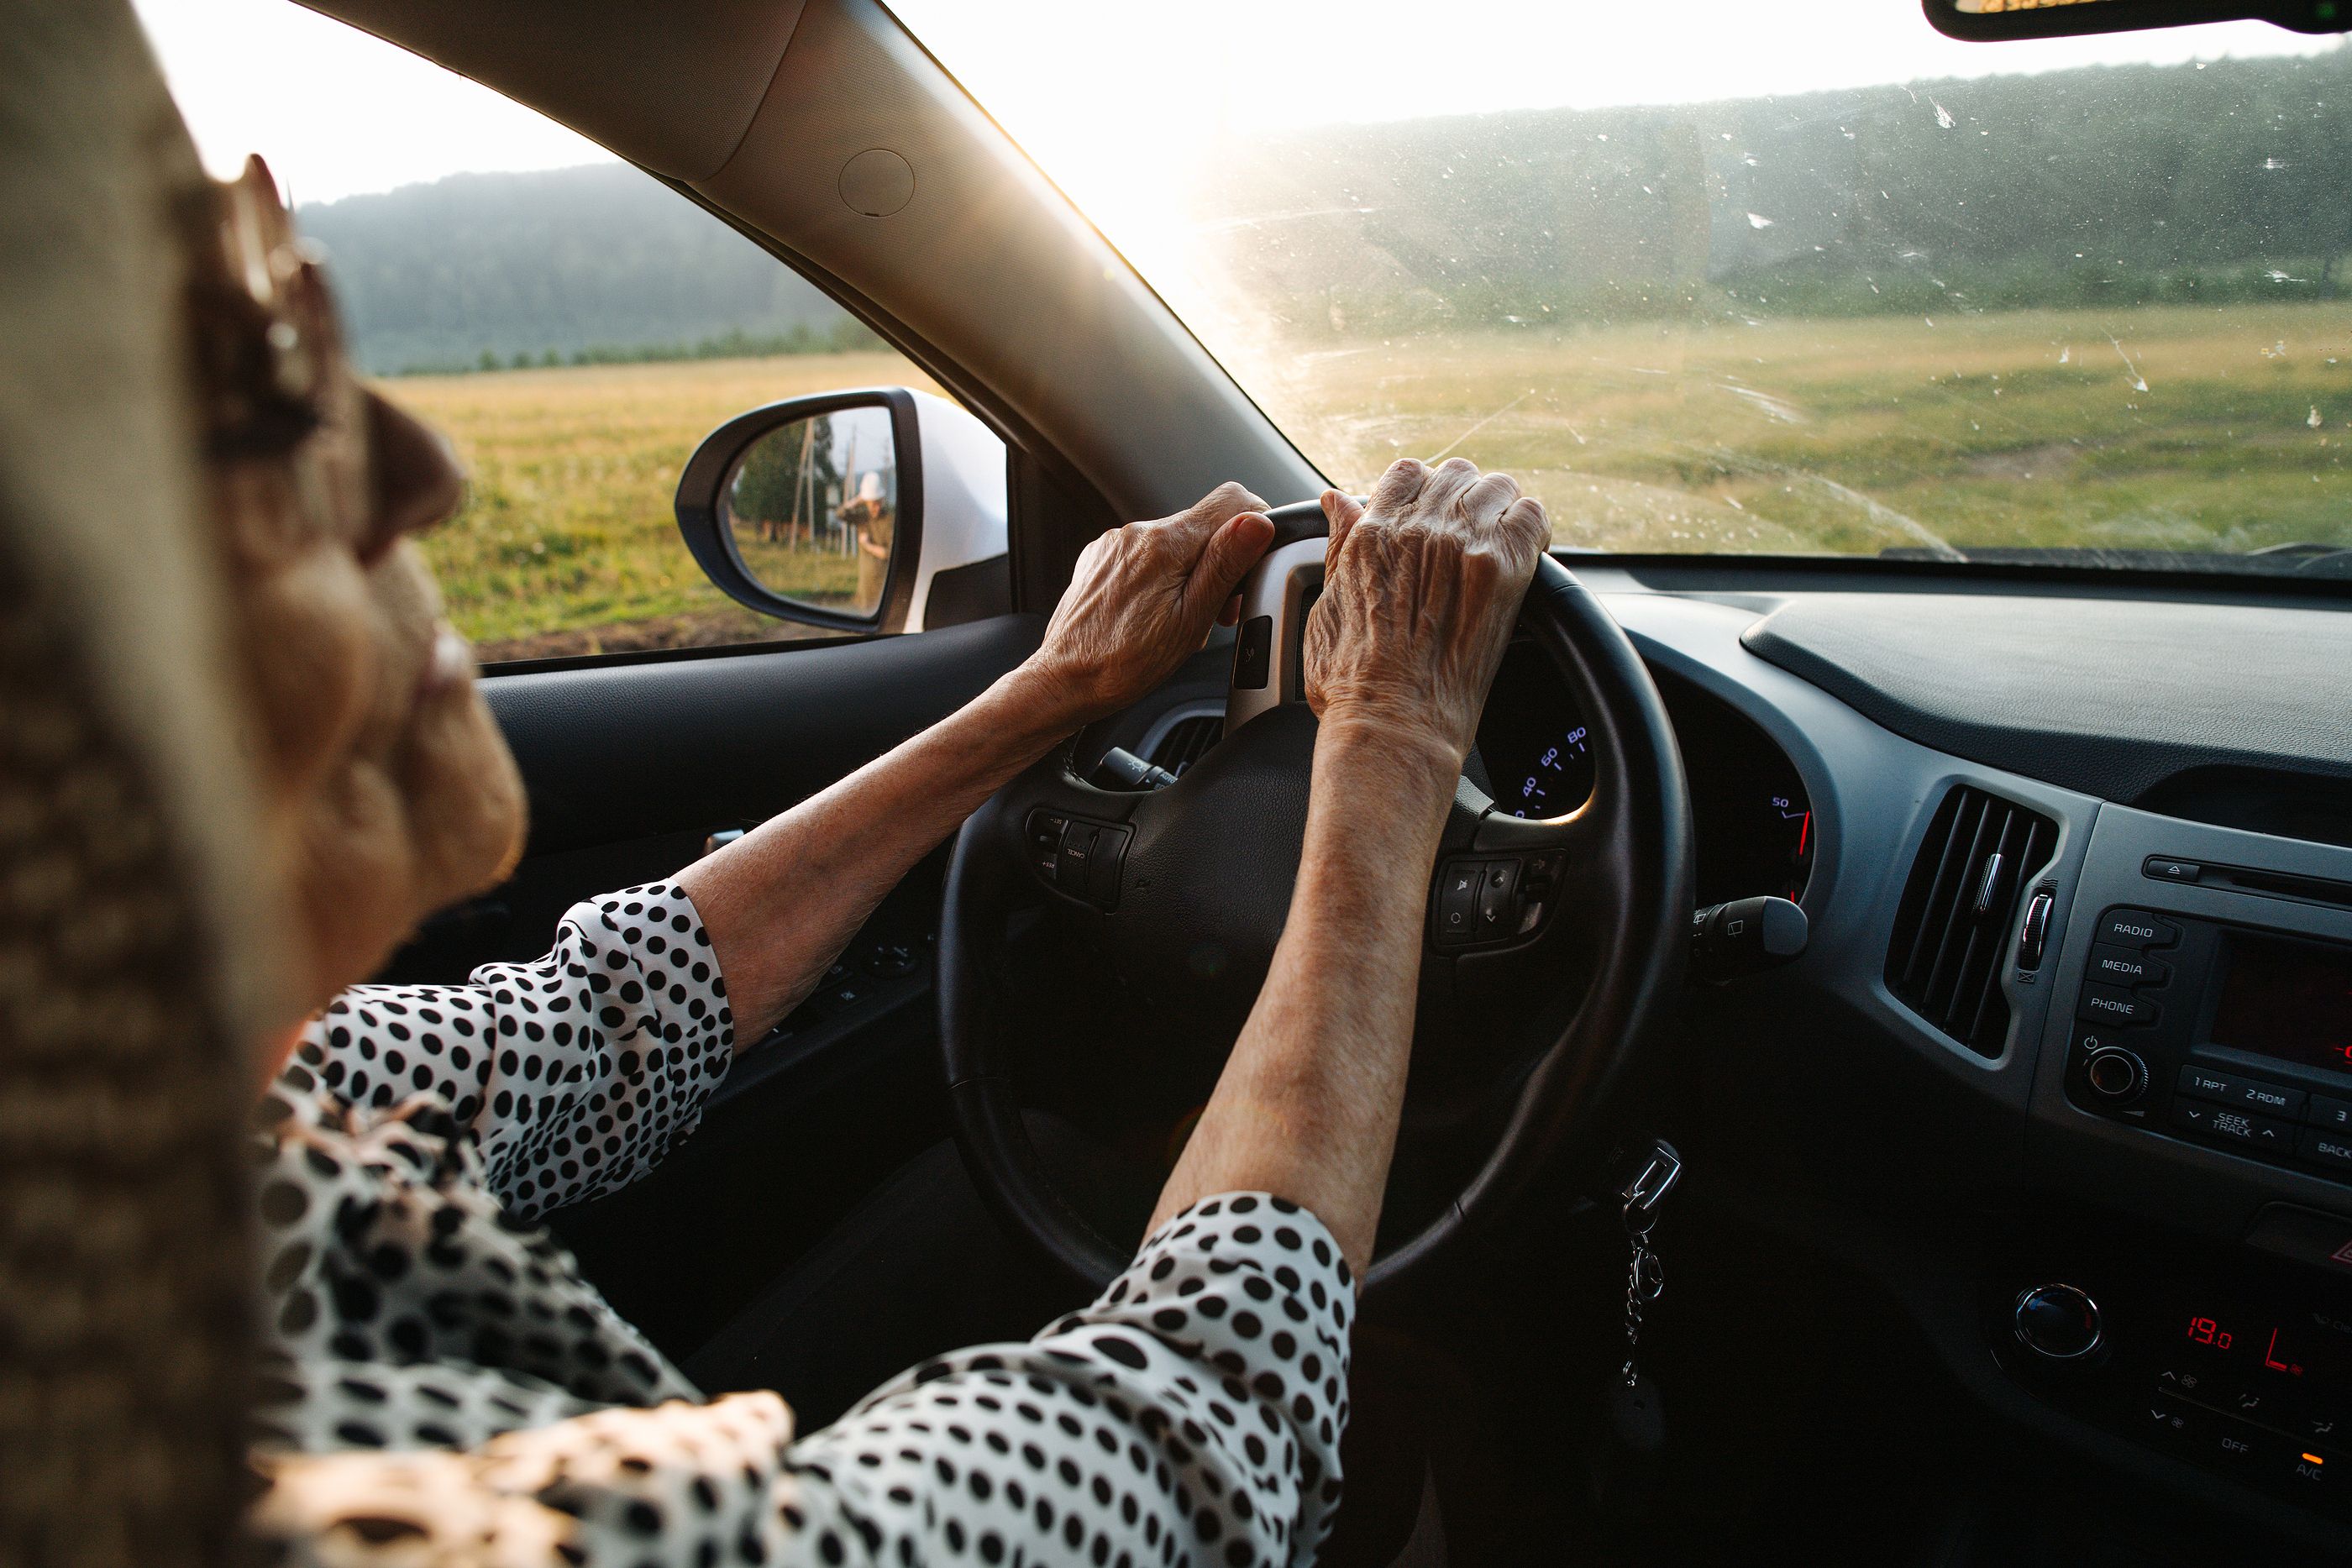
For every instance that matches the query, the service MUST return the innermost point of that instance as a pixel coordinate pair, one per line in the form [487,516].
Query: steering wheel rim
[1626,892]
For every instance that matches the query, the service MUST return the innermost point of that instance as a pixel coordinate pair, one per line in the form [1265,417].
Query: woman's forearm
[783,901]
[1308,1102]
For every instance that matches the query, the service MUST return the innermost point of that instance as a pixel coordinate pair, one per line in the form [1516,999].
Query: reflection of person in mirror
[871,516]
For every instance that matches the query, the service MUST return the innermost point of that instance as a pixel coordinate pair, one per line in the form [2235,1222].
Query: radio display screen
[2287,1000]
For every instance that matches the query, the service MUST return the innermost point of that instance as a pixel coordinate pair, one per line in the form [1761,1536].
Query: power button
[2115,1075]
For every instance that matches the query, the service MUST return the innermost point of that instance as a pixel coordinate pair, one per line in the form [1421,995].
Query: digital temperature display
[2283,1349]
[2205,1330]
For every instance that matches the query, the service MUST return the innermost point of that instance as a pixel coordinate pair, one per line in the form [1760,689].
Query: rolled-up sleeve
[576,1073]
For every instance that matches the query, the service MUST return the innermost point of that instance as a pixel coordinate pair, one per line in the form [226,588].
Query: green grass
[2023,428]
[567,542]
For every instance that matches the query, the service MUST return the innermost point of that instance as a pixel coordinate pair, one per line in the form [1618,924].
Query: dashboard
[2120,1030]
[2063,1069]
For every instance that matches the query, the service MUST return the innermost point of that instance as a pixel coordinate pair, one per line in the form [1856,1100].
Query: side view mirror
[878,510]
[811,509]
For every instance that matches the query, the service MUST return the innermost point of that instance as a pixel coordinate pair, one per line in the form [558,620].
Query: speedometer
[1536,747]
[1547,791]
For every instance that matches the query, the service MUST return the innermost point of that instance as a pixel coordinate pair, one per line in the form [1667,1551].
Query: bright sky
[1109,97]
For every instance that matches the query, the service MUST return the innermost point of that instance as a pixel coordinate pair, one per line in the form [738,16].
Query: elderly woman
[440,1384]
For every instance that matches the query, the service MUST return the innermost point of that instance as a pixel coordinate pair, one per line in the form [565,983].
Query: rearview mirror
[811,509]
[1993,20]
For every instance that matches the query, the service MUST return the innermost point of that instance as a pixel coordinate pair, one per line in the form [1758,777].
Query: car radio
[2221,1033]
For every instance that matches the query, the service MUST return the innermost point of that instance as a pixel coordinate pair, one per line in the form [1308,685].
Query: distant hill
[2104,186]
[2100,186]
[565,261]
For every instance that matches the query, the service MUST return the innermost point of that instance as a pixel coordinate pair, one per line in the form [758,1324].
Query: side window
[574,327]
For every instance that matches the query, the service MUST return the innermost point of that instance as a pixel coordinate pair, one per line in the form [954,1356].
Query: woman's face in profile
[388,788]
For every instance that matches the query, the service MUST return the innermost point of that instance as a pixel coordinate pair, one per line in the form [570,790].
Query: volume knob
[2059,1322]
[2114,1074]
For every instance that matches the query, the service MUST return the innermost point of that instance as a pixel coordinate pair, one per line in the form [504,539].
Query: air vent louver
[1188,741]
[1958,910]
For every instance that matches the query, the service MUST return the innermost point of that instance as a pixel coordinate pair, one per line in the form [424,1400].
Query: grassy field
[567,543]
[2179,428]
[2166,428]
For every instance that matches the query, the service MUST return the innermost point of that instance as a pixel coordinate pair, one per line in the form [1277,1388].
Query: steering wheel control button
[1497,908]
[1254,654]
[2115,1075]
[2126,967]
[2232,1127]
[1110,854]
[1082,859]
[2058,1322]
[2164,869]
[2247,1093]
[1045,830]
[2135,928]
[1457,903]
[1077,857]
[1495,900]
[2111,1004]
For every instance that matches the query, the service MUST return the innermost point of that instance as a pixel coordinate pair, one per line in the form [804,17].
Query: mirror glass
[813,508]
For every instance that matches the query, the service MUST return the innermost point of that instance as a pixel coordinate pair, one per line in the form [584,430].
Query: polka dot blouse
[439,1385]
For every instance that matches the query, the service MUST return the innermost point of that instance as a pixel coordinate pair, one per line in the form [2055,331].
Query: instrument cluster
[1754,822]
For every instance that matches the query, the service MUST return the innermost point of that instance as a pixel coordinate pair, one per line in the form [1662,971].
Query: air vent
[1188,741]
[1958,910]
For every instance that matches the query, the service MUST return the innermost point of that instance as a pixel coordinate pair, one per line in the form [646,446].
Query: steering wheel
[1186,888]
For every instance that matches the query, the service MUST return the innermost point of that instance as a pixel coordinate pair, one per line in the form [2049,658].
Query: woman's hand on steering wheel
[1143,598]
[1421,588]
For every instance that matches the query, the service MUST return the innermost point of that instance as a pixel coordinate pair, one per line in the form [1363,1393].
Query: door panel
[628,750]
[629,765]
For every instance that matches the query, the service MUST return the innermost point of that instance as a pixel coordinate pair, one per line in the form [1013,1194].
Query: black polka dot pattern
[576,1073]
[1191,1415]
[438,1384]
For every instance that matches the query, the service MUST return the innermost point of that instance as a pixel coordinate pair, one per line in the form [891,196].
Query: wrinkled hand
[1420,591]
[1143,599]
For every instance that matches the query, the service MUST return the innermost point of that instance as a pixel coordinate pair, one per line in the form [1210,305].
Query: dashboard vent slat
[1944,961]
[1187,741]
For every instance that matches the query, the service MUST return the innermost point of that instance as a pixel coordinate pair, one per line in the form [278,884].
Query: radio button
[2250,1093]
[2135,928]
[2110,1004]
[2322,1147]
[2126,967]
[2233,1126]
[2321,1112]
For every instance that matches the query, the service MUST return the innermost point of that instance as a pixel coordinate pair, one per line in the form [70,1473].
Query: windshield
[1735,277]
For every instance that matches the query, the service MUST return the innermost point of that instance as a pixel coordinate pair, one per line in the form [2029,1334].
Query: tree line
[598,264]
[2107,185]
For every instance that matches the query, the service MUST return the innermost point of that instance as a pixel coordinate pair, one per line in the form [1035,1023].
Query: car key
[1645,1276]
